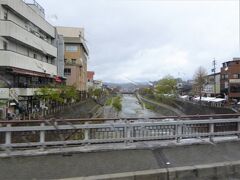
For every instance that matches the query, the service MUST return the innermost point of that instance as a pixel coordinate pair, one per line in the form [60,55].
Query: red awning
[27,72]
[58,79]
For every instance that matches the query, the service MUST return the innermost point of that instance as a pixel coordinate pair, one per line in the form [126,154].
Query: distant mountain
[127,86]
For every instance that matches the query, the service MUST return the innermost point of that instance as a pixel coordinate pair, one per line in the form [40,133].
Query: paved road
[108,162]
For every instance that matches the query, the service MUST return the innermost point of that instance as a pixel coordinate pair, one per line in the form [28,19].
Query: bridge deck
[78,164]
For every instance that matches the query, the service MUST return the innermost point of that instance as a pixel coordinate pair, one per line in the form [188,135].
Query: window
[71,48]
[47,59]
[235,88]
[52,61]
[235,76]
[67,72]
[35,56]
[5,45]
[225,76]
[5,16]
[74,61]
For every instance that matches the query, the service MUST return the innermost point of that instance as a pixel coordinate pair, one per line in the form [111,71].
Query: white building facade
[28,54]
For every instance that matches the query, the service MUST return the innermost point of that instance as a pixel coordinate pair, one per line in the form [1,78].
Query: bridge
[176,147]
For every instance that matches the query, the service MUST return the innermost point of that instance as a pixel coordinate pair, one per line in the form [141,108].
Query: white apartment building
[27,53]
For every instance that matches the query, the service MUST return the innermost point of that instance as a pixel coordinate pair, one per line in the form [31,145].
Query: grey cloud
[139,38]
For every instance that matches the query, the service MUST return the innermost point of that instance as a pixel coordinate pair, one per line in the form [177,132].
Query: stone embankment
[87,109]
[179,107]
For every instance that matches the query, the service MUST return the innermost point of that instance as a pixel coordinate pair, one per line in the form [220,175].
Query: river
[132,108]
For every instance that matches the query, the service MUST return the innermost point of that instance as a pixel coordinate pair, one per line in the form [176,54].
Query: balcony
[26,91]
[22,9]
[13,59]
[12,30]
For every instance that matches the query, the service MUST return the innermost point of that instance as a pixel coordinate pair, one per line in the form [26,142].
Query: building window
[52,61]
[35,56]
[71,48]
[5,16]
[5,45]
[235,76]
[74,61]
[67,72]
[47,59]
[235,88]
[225,76]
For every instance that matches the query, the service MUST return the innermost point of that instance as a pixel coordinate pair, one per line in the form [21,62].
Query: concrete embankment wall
[191,109]
[188,108]
[85,109]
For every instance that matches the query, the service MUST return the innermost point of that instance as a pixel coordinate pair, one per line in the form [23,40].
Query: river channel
[132,108]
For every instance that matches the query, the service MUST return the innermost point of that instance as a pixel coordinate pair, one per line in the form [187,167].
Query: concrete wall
[193,109]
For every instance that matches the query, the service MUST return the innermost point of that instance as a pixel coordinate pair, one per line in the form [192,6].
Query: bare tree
[200,80]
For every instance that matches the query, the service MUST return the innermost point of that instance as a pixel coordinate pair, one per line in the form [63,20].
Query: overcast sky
[144,40]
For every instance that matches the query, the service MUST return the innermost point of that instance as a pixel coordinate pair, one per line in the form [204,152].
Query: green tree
[200,80]
[69,93]
[167,85]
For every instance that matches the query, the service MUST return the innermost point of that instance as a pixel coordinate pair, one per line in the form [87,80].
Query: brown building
[90,75]
[75,57]
[230,78]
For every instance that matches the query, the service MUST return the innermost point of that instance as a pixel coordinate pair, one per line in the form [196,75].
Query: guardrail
[51,133]
[132,119]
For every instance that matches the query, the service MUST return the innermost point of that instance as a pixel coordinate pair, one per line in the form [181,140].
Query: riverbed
[131,107]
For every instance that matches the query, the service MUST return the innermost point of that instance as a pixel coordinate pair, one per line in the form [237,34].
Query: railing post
[8,136]
[86,133]
[179,130]
[42,135]
[127,132]
[238,128]
[211,128]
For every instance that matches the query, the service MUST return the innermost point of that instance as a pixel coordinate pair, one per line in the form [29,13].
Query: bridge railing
[56,133]
[104,120]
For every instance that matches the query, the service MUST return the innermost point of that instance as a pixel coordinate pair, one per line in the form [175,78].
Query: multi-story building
[212,86]
[230,78]
[28,53]
[90,77]
[76,57]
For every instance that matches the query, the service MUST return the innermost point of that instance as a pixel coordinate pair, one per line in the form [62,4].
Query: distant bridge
[62,132]
[125,92]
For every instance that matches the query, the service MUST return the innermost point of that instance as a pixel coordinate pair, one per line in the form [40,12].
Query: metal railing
[76,132]
[36,4]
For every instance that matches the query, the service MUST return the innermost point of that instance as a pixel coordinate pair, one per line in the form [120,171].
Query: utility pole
[214,71]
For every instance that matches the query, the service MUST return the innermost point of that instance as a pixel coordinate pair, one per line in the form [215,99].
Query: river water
[132,108]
